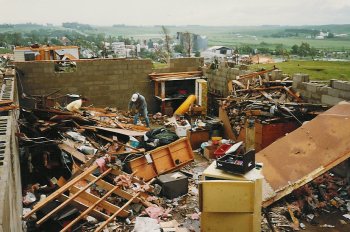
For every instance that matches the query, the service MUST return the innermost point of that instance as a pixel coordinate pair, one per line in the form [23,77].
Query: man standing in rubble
[138,102]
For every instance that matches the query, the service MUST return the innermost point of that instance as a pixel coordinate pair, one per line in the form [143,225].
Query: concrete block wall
[106,82]
[218,78]
[329,93]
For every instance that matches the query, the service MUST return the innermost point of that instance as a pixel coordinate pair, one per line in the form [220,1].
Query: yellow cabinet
[230,202]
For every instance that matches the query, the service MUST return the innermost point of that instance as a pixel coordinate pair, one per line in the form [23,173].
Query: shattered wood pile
[266,112]
[174,75]
[75,165]
[255,97]
[125,188]
[306,153]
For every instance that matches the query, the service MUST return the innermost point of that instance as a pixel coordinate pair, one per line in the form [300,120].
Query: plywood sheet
[307,152]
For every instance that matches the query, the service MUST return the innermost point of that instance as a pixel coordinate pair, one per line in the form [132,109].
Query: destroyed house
[45,53]
[241,150]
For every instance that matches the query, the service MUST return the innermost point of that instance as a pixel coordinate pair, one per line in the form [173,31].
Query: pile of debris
[89,171]
[326,195]
[256,97]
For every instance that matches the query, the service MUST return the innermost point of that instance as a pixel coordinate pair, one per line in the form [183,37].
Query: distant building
[45,53]
[220,52]
[198,42]
[119,49]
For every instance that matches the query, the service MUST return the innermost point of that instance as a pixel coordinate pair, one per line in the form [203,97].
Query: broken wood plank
[81,206]
[61,206]
[60,191]
[122,208]
[99,201]
[107,186]
[122,131]
[93,199]
[74,152]
[298,99]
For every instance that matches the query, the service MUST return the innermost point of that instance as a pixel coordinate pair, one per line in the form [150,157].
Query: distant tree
[178,48]
[187,41]
[263,50]
[295,49]
[167,39]
[330,35]
[304,49]
[245,49]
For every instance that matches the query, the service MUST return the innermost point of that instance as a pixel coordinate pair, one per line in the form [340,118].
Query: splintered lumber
[67,227]
[254,74]
[61,206]
[298,99]
[81,206]
[5,102]
[7,108]
[74,152]
[260,89]
[175,75]
[122,208]
[107,186]
[60,191]
[122,131]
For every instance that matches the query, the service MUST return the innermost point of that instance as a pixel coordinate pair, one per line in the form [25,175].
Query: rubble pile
[75,170]
[328,194]
[256,98]
[239,111]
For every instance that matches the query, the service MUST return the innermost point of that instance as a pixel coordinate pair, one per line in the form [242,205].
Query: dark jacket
[139,104]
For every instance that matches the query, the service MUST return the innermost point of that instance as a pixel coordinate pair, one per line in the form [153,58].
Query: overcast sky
[177,12]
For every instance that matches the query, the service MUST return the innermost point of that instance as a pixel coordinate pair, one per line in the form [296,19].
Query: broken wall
[106,82]
[10,177]
[328,92]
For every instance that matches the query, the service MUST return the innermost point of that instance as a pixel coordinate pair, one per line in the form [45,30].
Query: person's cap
[134,97]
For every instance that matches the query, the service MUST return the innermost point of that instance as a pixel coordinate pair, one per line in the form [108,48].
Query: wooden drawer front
[230,222]
[228,196]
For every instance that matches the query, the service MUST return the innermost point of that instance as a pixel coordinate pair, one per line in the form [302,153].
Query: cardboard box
[209,151]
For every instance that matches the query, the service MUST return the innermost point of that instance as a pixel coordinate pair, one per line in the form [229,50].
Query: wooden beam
[74,152]
[60,191]
[118,212]
[81,206]
[107,186]
[93,199]
[67,227]
[61,206]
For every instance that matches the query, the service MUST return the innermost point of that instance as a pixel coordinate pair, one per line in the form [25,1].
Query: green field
[231,36]
[318,70]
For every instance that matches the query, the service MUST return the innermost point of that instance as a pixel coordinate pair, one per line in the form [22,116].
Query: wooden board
[307,152]
[122,131]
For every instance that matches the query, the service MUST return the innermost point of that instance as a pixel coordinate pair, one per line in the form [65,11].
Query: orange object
[183,108]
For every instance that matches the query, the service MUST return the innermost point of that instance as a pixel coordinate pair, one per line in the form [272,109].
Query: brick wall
[329,92]
[106,82]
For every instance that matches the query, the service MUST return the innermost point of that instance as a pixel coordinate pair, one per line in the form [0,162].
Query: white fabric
[74,105]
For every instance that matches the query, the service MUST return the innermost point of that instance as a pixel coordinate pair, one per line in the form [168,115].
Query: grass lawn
[317,70]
